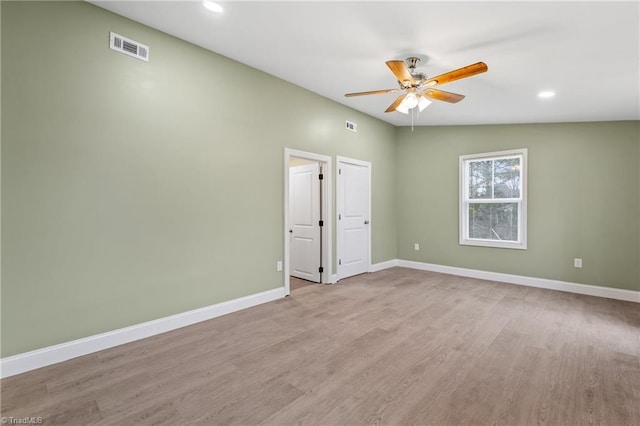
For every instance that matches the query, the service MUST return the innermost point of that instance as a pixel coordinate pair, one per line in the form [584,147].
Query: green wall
[583,199]
[133,190]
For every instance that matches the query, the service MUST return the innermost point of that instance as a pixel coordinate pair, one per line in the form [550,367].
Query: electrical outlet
[577,263]
[416,246]
[279,265]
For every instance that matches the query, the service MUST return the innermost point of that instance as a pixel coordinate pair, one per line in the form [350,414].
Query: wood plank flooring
[296,283]
[395,347]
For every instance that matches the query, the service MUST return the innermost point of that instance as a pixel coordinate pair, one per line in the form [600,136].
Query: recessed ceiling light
[546,94]
[212,6]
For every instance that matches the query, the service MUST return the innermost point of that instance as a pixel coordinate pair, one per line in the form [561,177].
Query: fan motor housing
[418,77]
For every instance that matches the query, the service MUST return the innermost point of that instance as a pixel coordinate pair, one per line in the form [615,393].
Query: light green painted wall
[132,190]
[584,197]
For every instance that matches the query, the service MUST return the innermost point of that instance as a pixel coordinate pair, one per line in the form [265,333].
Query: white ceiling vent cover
[128,47]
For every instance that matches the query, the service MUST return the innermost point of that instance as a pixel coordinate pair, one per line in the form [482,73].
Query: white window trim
[522,212]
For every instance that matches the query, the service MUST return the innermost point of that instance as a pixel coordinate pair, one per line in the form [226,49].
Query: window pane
[489,221]
[506,178]
[480,179]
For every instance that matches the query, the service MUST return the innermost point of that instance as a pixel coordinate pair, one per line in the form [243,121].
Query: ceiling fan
[418,89]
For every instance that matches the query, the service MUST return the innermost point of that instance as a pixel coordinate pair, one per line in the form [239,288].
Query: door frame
[339,207]
[327,212]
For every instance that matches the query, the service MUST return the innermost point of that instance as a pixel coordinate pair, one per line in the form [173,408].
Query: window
[493,199]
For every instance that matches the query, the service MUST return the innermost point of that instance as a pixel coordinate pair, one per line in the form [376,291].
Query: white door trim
[367,164]
[327,212]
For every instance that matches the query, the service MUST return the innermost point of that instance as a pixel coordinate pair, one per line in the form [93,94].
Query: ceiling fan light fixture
[417,91]
[410,101]
[402,108]
[423,102]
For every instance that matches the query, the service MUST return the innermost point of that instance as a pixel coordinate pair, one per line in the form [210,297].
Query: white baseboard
[16,364]
[374,268]
[38,358]
[383,265]
[591,290]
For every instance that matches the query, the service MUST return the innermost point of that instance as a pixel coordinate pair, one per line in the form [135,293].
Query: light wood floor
[395,347]
[296,283]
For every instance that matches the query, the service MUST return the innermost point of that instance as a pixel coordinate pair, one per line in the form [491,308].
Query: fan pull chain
[413,112]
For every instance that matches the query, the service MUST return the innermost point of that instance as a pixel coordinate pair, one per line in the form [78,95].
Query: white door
[354,212]
[304,214]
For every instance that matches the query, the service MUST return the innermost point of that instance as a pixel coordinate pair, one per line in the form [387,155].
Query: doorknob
[366,222]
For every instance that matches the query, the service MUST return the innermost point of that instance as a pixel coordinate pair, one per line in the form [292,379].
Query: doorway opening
[307,218]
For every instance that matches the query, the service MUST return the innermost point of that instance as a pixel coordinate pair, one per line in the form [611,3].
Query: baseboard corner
[376,267]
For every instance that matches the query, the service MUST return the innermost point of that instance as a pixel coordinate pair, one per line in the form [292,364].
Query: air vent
[128,47]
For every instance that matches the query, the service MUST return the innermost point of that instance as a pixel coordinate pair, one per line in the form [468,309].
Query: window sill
[495,244]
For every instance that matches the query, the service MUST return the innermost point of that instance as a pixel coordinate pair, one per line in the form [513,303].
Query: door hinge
[321,176]
[339,261]
[321,269]
[321,223]
[339,216]
[339,171]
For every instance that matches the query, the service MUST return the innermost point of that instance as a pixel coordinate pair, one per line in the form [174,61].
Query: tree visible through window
[492,199]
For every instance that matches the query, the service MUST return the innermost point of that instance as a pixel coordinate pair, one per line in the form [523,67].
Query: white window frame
[521,243]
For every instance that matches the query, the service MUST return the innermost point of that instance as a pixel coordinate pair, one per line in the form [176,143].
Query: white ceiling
[587,52]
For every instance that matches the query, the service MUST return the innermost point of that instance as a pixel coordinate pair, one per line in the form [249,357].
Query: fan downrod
[412,62]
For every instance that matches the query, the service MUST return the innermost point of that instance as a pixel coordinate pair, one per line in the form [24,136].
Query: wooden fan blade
[441,95]
[464,72]
[400,70]
[372,92]
[395,103]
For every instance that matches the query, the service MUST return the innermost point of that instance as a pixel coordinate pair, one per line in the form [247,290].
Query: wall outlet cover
[351,126]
